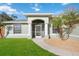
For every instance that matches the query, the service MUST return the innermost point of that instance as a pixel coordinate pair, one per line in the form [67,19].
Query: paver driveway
[68,47]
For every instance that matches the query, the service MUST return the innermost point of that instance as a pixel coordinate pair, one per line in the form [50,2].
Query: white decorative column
[46,30]
[29,30]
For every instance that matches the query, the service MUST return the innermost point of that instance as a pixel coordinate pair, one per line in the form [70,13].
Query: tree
[71,17]
[14,17]
[66,22]
[3,17]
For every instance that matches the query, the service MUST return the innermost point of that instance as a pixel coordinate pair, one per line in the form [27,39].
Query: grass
[21,47]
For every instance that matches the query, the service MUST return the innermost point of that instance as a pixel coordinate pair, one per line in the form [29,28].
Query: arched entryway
[37,28]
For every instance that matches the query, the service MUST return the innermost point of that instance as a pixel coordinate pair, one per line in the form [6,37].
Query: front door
[38,31]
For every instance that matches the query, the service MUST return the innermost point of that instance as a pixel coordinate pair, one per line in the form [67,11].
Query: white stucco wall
[75,32]
[24,28]
[23,34]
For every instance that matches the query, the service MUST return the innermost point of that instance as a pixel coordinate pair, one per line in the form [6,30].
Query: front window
[17,28]
[55,29]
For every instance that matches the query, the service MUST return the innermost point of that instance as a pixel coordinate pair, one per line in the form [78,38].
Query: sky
[19,8]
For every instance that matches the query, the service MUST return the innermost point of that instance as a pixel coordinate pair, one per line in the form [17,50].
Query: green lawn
[21,47]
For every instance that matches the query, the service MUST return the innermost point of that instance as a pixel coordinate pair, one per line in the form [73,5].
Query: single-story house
[36,25]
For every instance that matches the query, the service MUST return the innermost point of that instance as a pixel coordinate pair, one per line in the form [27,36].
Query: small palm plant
[59,24]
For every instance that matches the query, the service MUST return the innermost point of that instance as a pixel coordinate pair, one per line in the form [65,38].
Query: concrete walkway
[53,49]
